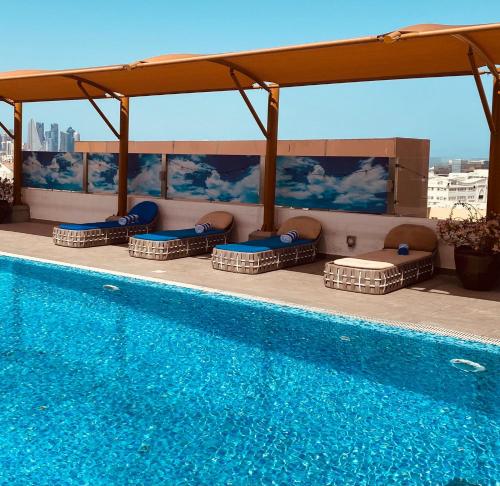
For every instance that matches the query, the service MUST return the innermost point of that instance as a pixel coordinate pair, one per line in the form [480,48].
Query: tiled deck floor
[439,302]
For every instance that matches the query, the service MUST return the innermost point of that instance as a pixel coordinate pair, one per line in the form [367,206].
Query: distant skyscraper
[34,141]
[70,140]
[63,142]
[54,137]
[40,128]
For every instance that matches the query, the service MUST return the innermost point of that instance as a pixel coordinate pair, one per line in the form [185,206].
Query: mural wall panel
[356,184]
[144,174]
[53,170]
[214,177]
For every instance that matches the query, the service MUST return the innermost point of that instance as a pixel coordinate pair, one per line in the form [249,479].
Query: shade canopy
[427,50]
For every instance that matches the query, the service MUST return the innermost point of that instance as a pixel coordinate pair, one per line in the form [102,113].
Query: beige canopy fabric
[426,50]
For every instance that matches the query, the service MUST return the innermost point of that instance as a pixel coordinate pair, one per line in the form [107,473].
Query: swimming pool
[110,380]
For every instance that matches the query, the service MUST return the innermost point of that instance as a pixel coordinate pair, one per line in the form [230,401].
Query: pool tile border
[429,328]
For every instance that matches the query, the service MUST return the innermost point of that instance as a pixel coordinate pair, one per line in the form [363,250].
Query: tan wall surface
[375,147]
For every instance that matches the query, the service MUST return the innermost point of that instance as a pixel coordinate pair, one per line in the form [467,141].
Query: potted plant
[6,198]
[476,239]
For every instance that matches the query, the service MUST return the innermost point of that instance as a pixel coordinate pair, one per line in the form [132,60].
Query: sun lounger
[265,255]
[170,244]
[383,271]
[107,232]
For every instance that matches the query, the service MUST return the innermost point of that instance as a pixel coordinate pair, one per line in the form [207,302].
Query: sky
[60,34]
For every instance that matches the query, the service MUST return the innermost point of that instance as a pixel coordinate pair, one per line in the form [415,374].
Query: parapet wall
[369,229]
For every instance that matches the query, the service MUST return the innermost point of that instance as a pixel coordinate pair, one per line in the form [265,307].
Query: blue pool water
[148,384]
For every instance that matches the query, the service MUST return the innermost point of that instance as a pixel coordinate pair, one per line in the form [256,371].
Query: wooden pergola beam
[493,201]
[123,157]
[269,190]
[18,153]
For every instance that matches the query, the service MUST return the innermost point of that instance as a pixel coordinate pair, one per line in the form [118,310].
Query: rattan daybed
[383,271]
[170,244]
[265,255]
[107,232]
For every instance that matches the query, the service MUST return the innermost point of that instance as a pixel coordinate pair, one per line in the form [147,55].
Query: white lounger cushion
[381,259]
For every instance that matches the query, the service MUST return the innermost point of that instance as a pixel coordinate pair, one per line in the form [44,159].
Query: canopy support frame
[480,89]
[123,156]
[122,135]
[18,153]
[6,100]
[2,126]
[493,196]
[248,74]
[7,131]
[96,108]
[248,103]
[269,189]
[476,47]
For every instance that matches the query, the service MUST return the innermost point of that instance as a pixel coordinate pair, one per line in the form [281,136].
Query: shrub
[480,233]
[6,190]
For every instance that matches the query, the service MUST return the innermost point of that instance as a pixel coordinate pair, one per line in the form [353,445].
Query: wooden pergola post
[269,189]
[18,153]
[493,204]
[123,157]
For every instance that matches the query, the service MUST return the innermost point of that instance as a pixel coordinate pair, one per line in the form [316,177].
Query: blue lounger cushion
[180,234]
[265,244]
[146,210]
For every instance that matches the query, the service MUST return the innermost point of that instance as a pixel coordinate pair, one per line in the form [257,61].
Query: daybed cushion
[146,210]
[220,220]
[265,244]
[307,227]
[417,236]
[180,234]
[90,226]
[381,259]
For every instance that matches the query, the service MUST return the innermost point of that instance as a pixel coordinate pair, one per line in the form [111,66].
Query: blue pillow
[146,210]
[403,249]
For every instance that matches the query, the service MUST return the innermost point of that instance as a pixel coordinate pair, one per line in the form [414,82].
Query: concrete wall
[370,230]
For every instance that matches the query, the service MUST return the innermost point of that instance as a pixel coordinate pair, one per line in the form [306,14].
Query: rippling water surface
[106,380]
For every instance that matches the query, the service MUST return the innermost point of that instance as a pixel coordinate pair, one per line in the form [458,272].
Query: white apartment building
[468,187]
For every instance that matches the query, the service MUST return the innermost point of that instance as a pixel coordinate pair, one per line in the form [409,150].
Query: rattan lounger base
[180,248]
[97,237]
[378,281]
[264,261]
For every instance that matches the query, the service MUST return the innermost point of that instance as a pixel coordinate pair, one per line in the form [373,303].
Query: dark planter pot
[5,211]
[476,270]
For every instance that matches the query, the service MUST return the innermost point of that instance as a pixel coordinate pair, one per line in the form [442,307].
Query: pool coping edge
[426,328]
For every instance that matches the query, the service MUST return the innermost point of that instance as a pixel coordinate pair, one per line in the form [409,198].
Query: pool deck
[438,305]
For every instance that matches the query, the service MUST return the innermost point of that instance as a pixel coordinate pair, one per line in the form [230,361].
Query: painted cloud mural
[340,183]
[214,177]
[103,172]
[53,170]
[144,174]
